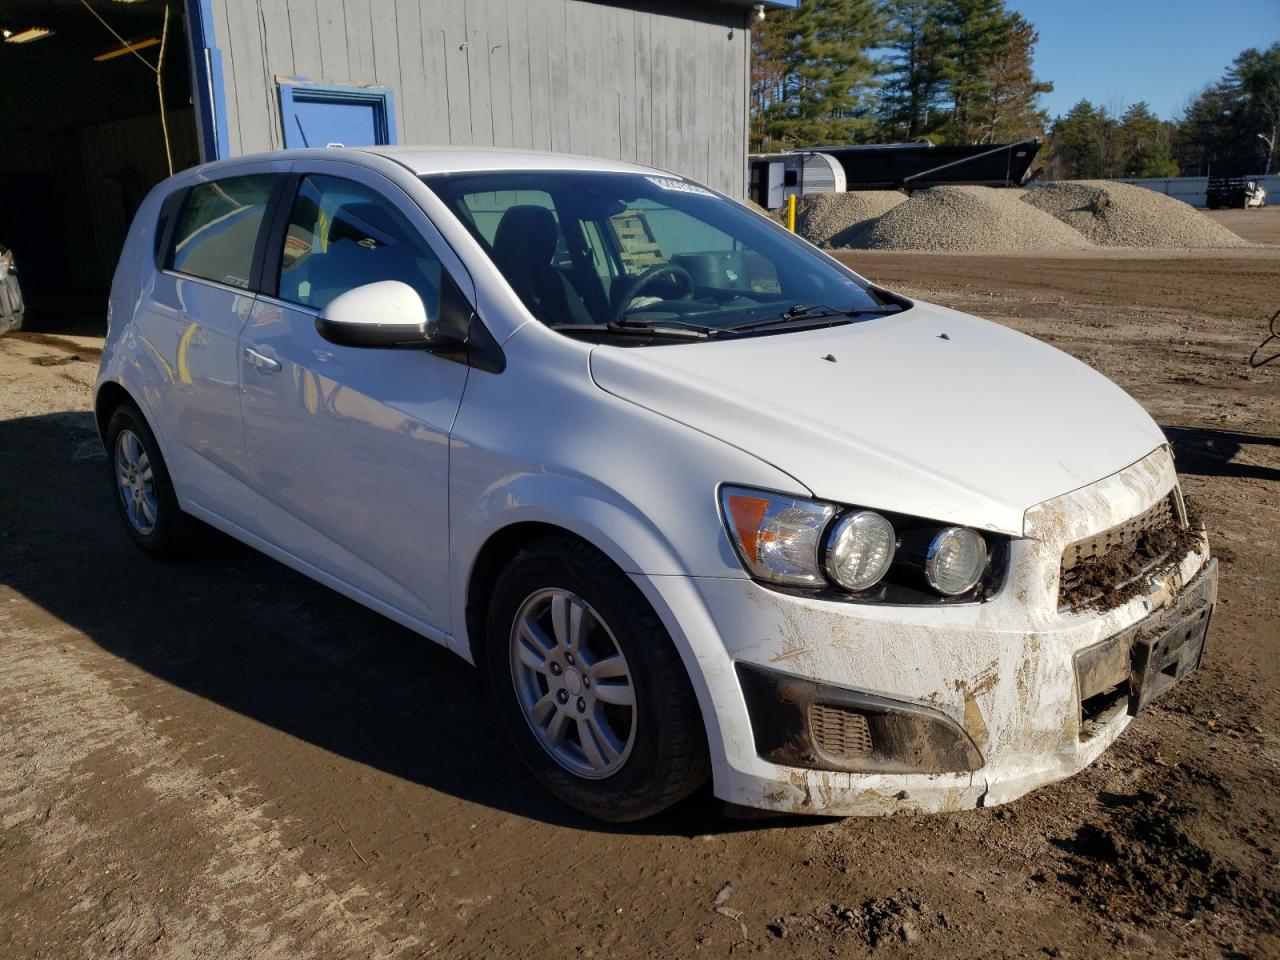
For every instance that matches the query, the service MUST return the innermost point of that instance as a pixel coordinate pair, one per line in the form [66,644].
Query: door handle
[261,362]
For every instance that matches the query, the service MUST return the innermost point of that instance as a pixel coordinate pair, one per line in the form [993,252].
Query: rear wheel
[144,495]
[590,686]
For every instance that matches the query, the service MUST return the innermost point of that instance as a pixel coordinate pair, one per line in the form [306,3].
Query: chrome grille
[839,732]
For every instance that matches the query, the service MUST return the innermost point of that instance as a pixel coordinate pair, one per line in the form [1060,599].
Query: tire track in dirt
[237,891]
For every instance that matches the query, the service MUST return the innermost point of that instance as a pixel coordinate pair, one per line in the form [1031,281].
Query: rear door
[349,446]
[189,326]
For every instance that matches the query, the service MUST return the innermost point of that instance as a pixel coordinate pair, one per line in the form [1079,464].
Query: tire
[654,751]
[158,524]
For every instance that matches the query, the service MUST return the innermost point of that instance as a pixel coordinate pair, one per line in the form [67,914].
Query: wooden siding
[641,81]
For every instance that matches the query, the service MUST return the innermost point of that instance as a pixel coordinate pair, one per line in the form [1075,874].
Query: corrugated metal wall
[655,83]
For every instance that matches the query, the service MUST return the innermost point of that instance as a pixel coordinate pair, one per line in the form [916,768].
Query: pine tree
[1203,137]
[1218,132]
[979,32]
[917,35]
[1077,146]
[1011,109]
[816,73]
[768,79]
[960,71]
[1145,144]
[1255,78]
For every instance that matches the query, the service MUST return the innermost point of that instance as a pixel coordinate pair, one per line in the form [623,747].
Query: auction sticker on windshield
[679,186]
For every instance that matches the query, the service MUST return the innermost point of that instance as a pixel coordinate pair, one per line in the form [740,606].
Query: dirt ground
[1257,226]
[221,759]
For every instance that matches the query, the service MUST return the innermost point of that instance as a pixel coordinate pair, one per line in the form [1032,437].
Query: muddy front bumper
[1129,670]
[826,730]
[872,709]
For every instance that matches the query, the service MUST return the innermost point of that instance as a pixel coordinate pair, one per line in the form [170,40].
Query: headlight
[955,560]
[898,559]
[859,550]
[778,537]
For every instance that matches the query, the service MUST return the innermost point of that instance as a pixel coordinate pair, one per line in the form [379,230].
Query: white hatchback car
[699,498]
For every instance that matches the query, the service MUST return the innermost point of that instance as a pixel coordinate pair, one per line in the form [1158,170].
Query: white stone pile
[1066,215]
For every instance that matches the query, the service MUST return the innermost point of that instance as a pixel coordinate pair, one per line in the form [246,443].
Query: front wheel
[589,685]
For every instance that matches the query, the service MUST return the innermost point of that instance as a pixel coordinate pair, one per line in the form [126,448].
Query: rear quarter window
[217,229]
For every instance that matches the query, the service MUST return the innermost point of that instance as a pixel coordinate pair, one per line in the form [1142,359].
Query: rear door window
[217,229]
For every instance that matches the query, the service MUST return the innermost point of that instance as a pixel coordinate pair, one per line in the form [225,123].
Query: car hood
[930,412]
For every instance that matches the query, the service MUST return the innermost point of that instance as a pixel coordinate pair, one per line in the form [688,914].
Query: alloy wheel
[136,482]
[573,683]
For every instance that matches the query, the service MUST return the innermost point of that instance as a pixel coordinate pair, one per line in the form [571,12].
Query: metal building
[651,81]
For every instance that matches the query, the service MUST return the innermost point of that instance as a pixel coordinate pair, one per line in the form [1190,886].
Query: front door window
[343,235]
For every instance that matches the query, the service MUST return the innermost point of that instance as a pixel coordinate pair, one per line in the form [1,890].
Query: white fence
[1192,190]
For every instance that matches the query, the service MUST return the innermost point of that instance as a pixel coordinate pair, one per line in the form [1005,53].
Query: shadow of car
[240,630]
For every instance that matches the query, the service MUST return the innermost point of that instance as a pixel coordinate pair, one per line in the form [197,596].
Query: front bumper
[940,765]
[1004,673]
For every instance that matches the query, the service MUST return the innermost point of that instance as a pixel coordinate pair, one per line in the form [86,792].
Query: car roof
[423,161]
[428,160]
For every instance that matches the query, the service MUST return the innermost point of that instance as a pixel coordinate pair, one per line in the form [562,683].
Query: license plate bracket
[1162,654]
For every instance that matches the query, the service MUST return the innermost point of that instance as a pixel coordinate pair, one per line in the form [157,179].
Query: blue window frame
[316,114]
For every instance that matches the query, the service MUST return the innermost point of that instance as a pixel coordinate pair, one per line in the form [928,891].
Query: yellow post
[791,213]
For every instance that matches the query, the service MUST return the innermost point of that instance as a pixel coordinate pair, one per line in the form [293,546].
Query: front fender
[596,514]
[638,546]
[542,443]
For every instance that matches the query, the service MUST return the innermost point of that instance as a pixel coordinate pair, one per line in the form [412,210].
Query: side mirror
[383,314]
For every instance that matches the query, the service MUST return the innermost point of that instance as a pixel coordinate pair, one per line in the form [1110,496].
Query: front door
[349,446]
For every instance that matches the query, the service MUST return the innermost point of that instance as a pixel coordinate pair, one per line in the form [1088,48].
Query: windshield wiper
[642,328]
[669,325]
[808,313]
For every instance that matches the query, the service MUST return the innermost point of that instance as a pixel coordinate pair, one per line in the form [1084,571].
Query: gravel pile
[1122,215]
[972,219]
[828,219]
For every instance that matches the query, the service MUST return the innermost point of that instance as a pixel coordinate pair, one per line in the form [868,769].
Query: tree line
[868,71]
[962,71]
[1229,128]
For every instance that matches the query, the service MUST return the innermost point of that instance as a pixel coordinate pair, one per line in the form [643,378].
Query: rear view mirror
[383,314]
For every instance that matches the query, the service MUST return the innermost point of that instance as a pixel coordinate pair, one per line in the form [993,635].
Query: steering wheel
[639,283]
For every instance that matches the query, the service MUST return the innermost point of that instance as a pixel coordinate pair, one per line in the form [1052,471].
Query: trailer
[1234,193]
[891,166]
[776,176]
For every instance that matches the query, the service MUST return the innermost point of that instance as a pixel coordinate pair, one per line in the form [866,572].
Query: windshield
[596,252]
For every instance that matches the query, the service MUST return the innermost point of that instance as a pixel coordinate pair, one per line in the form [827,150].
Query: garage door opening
[84,141]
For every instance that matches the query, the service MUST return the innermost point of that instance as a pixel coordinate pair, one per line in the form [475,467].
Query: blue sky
[1160,51]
